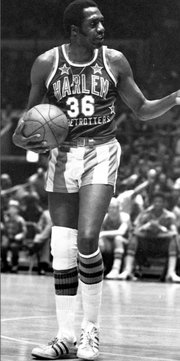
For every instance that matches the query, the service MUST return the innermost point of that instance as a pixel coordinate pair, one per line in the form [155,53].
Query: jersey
[86,93]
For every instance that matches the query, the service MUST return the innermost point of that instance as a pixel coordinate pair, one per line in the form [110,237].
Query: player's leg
[64,214]
[119,242]
[94,202]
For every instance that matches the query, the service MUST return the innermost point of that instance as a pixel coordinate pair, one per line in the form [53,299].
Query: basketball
[47,120]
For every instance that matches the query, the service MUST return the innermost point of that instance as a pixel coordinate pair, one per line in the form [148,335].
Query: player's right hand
[28,143]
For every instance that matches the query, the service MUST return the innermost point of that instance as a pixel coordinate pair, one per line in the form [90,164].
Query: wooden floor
[140,321]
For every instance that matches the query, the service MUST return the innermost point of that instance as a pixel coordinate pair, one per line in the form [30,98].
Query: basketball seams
[46,125]
[57,116]
[47,122]
[51,120]
[36,130]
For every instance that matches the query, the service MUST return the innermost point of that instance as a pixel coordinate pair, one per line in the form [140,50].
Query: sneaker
[113,275]
[89,343]
[56,349]
[174,278]
[125,276]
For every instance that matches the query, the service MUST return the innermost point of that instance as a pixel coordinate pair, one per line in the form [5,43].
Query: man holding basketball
[83,79]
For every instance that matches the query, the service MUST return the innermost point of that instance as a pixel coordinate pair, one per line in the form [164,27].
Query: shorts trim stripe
[59,175]
[100,174]
[51,169]
[90,161]
[113,166]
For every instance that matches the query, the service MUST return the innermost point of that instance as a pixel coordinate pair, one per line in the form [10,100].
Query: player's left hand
[178,97]
[30,143]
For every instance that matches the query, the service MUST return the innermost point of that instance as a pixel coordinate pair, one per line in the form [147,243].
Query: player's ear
[74,30]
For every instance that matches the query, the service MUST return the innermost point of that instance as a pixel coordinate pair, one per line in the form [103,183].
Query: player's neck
[78,53]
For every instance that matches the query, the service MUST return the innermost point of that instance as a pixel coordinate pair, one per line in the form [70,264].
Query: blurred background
[146,31]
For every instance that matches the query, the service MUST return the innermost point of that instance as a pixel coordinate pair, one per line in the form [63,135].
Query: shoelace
[89,338]
[53,341]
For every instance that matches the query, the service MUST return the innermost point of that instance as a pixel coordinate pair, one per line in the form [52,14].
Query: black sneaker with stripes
[56,349]
[88,348]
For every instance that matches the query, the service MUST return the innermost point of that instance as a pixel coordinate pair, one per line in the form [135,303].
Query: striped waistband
[87,142]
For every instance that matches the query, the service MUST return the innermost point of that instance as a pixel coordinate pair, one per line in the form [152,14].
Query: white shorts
[70,168]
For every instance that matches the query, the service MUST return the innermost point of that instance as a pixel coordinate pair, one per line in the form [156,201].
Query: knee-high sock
[64,251]
[91,276]
[66,288]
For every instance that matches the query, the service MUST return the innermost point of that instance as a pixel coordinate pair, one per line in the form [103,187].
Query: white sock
[65,311]
[91,298]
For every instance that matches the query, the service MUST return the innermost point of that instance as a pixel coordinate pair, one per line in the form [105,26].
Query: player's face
[91,33]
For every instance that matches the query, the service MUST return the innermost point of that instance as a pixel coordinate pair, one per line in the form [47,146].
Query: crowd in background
[150,150]
[25,219]
[150,153]
[25,223]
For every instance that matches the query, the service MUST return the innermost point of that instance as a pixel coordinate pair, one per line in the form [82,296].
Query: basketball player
[83,78]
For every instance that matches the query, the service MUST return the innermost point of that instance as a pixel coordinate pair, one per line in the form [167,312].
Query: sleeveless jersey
[86,93]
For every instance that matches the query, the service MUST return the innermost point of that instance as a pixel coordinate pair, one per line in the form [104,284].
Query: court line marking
[25,318]
[101,352]
[139,357]
[81,314]
[118,327]
[18,340]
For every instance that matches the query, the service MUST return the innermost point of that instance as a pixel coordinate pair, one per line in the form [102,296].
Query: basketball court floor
[140,321]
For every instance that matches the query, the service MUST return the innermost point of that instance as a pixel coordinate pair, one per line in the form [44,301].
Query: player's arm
[39,73]
[143,108]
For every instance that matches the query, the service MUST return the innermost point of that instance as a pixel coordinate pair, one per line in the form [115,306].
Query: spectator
[131,201]
[41,242]
[156,232]
[176,211]
[36,183]
[165,186]
[6,181]
[13,233]
[113,238]
[6,184]
[148,193]
[30,207]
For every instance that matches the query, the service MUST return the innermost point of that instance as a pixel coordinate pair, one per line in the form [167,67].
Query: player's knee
[64,248]
[88,241]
